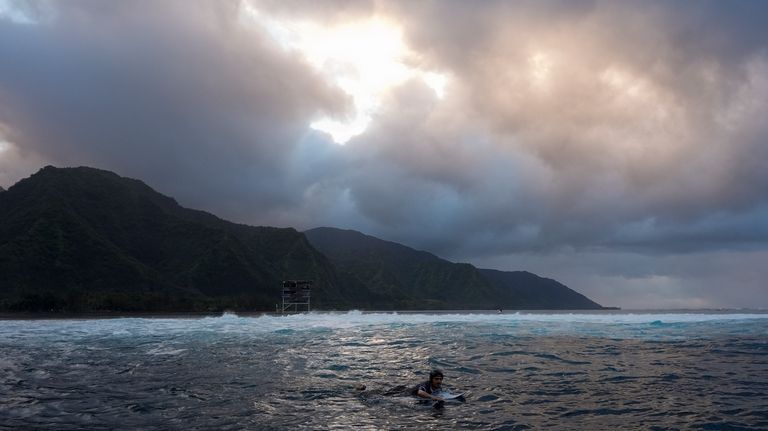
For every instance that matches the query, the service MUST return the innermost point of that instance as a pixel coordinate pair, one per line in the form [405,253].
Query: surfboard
[451,397]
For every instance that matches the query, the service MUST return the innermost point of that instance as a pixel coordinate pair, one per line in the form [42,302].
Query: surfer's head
[436,378]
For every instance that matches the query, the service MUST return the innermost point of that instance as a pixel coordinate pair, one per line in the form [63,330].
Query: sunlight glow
[437,82]
[540,68]
[365,59]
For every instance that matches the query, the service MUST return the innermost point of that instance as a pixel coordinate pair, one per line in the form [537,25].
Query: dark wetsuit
[426,387]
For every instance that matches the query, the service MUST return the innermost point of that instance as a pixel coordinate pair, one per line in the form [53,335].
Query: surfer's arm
[424,394]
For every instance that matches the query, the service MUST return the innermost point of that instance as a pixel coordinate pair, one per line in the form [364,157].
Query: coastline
[250,314]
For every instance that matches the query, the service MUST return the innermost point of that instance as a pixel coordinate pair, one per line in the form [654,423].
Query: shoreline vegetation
[84,241]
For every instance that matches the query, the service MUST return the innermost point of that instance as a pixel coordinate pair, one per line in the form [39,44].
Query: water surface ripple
[647,371]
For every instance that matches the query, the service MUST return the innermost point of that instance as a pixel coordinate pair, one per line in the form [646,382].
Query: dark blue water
[521,371]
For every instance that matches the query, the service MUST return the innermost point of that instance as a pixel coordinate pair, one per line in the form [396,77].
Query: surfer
[433,385]
[429,392]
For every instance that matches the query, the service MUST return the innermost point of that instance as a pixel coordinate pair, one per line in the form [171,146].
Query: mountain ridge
[86,239]
[395,267]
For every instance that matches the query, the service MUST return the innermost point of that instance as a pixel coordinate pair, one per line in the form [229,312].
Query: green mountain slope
[416,279]
[407,278]
[87,239]
[84,239]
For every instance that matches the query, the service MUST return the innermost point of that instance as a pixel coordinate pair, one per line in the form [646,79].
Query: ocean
[519,370]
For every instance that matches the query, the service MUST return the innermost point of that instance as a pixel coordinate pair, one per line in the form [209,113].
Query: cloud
[621,118]
[582,128]
[15,163]
[183,95]
[706,279]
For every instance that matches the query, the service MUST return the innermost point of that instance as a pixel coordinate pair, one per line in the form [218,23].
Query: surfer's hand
[436,398]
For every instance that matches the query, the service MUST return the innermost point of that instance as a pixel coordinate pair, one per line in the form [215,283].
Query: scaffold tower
[296,295]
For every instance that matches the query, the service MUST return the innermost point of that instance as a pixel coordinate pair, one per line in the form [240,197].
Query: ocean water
[599,370]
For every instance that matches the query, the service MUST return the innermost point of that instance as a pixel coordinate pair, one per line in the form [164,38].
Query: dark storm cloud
[179,94]
[603,117]
[567,128]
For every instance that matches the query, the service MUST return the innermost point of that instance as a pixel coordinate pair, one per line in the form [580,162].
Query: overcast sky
[619,147]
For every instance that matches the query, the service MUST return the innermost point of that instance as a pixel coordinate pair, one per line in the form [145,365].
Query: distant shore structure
[296,295]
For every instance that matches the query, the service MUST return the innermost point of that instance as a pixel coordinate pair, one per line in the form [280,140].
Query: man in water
[428,388]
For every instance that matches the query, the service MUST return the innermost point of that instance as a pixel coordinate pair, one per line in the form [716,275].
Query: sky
[620,147]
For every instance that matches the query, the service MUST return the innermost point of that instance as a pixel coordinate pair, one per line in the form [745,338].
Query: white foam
[230,323]
[357,318]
